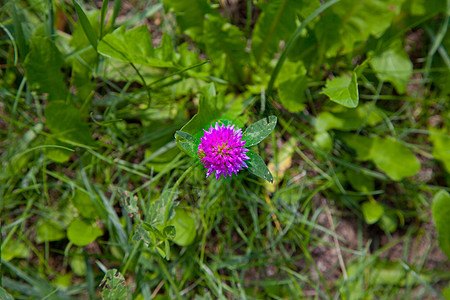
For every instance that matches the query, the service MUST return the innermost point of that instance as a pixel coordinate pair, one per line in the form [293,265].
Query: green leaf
[190,15]
[343,90]
[83,203]
[389,155]
[388,222]
[189,145]
[393,65]
[114,286]
[258,131]
[15,249]
[77,264]
[351,22]
[49,230]
[87,27]
[393,158]
[372,211]
[207,112]
[184,223]
[360,182]
[43,68]
[57,154]
[441,146]
[225,46]
[158,210]
[82,233]
[292,86]
[170,232]
[5,295]
[135,46]
[441,211]
[349,119]
[257,166]
[65,122]
[277,22]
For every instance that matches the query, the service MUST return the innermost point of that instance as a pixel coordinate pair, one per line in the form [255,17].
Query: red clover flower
[222,151]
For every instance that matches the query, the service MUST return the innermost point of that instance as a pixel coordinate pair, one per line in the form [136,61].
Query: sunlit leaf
[393,65]
[441,146]
[343,90]
[441,212]
[372,211]
[82,233]
[393,158]
[184,223]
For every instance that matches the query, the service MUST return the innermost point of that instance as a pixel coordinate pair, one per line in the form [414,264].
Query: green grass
[303,237]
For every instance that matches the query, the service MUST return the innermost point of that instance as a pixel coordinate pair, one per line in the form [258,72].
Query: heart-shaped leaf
[82,233]
[372,211]
[343,90]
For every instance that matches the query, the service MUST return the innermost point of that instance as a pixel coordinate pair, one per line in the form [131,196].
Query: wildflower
[222,151]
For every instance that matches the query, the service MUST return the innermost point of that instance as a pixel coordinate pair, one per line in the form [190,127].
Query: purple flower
[222,151]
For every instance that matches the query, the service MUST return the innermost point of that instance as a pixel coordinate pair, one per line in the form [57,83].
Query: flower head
[222,151]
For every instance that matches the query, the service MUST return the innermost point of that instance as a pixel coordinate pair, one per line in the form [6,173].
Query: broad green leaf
[87,27]
[292,86]
[82,233]
[43,68]
[225,46]
[57,154]
[349,119]
[393,158]
[15,249]
[66,123]
[258,131]
[427,7]
[343,90]
[350,22]
[323,141]
[441,146]
[372,211]
[277,22]
[190,15]
[441,212]
[83,203]
[359,181]
[184,223]
[207,113]
[187,143]
[77,264]
[135,46]
[257,166]
[393,65]
[49,230]
[388,222]
[396,160]
[361,144]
